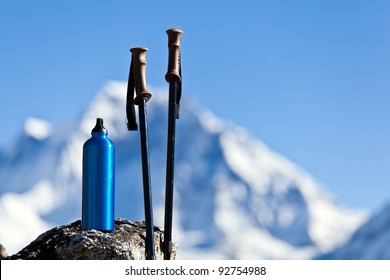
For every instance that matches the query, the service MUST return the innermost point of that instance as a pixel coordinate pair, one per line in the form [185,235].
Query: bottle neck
[99,134]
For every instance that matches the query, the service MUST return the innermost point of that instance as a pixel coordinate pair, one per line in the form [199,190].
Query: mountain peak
[38,129]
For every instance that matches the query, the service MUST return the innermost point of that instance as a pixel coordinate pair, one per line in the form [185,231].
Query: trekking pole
[173,77]
[137,80]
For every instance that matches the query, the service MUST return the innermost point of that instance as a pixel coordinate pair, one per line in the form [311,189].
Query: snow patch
[37,128]
[20,215]
[210,122]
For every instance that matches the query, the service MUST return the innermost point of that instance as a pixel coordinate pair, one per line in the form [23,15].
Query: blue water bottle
[98,181]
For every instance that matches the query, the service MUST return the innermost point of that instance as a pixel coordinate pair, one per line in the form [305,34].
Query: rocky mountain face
[234,197]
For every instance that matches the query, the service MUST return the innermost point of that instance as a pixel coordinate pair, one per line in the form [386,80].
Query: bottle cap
[99,126]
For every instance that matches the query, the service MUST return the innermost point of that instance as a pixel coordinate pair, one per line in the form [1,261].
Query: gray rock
[69,242]
[3,252]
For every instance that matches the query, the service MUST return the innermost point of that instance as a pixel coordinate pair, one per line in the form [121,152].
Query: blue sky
[309,78]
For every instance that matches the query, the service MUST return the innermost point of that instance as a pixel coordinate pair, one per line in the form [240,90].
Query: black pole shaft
[173,87]
[150,251]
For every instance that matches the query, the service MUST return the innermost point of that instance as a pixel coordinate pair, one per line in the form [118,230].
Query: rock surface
[3,252]
[69,242]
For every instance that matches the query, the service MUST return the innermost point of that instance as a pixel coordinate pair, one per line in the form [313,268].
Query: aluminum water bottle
[98,181]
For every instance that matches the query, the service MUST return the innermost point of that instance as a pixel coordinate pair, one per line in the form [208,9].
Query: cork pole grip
[173,73]
[139,68]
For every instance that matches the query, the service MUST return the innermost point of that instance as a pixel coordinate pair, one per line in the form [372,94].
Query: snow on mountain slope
[283,197]
[234,197]
[370,242]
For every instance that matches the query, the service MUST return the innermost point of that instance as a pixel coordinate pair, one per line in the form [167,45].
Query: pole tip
[138,50]
[174,30]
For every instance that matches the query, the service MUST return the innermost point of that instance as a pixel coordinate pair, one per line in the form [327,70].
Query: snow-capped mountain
[370,242]
[234,197]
